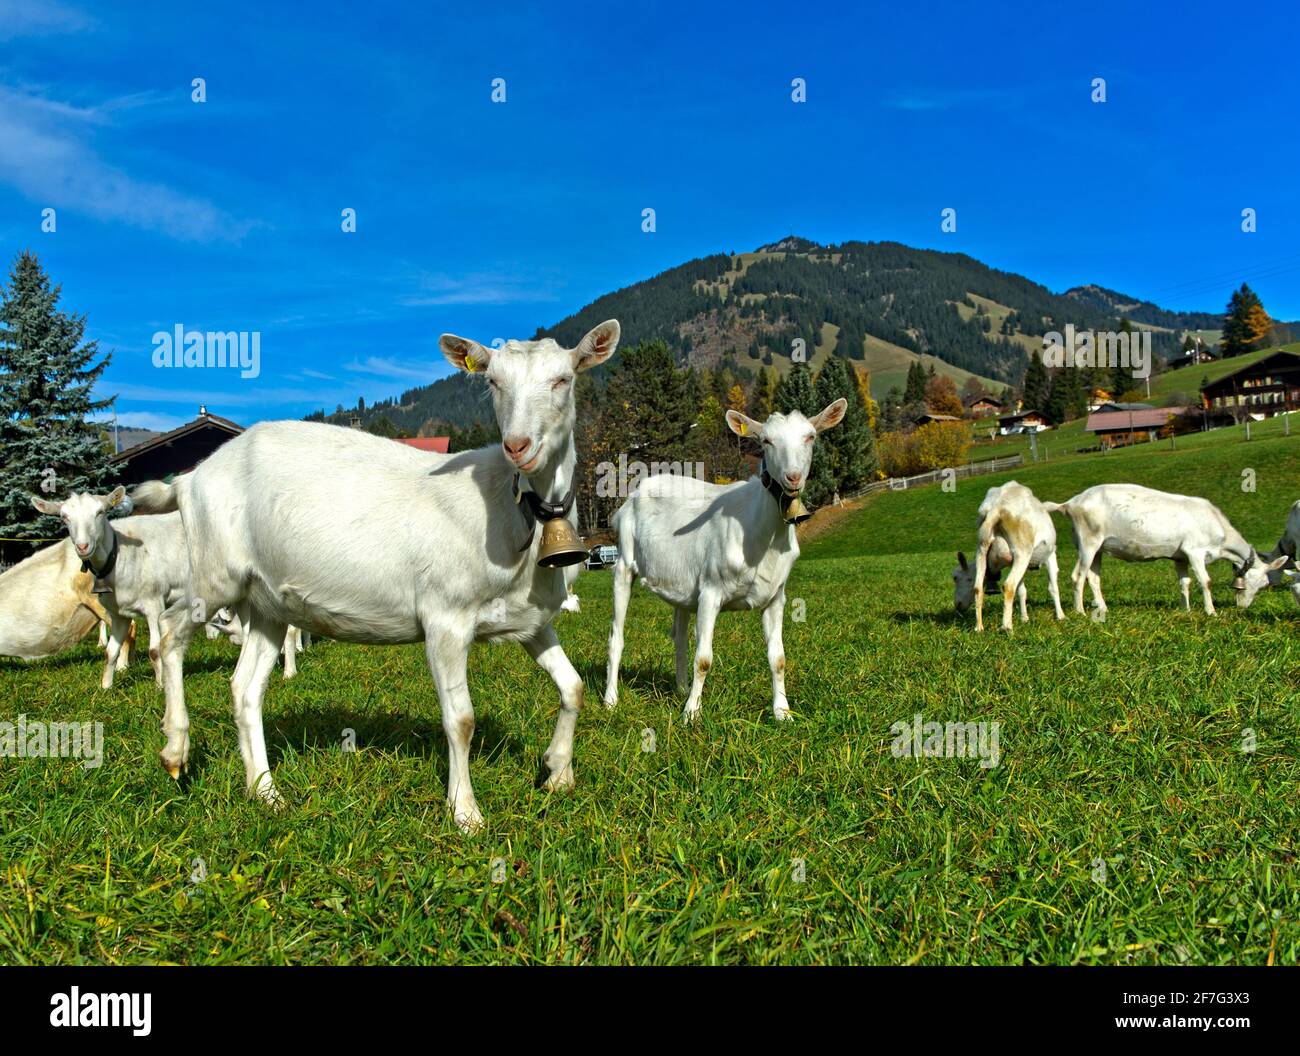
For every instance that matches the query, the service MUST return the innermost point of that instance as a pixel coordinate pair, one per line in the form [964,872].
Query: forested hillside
[879,305]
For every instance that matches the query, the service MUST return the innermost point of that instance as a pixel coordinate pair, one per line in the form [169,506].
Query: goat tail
[1057,507]
[154,496]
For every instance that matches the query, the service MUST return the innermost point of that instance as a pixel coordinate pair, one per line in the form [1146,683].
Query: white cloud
[482,288]
[34,18]
[46,156]
[383,367]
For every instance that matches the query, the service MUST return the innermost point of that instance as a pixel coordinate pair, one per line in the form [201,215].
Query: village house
[1022,422]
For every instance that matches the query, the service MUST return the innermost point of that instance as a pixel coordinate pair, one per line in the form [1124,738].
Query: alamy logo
[947,740]
[53,740]
[237,349]
[1088,349]
[75,1009]
[619,481]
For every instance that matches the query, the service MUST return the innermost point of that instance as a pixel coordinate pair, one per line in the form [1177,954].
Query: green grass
[1120,741]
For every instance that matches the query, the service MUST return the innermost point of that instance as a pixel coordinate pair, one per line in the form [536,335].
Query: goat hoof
[611,703]
[561,780]
[469,821]
[690,715]
[782,715]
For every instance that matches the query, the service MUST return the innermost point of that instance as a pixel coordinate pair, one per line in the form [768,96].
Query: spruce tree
[47,372]
[850,446]
[1247,325]
[1036,386]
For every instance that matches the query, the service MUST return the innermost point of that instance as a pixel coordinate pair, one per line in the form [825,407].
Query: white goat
[1288,546]
[46,604]
[1135,523]
[352,536]
[708,547]
[142,561]
[1015,531]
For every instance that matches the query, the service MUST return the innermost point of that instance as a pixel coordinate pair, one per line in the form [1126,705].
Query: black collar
[777,492]
[109,564]
[534,508]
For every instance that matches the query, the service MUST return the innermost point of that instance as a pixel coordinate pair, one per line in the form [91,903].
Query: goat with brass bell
[561,546]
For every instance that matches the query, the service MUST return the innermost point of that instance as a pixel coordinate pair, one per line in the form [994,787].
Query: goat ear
[597,346]
[464,354]
[45,506]
[743,425]
[113,497]
[961,559]
[1275,565]
[831,415]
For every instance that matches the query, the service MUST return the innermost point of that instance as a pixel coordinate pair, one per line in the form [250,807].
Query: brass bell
[1239,583]
[561,545]
[795,511]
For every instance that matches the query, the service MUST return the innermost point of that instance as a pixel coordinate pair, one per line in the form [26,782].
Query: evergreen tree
[914,390]
[765,394]
[47,372]
[847,451]
[1037,386]
[795,392]
[1247,325]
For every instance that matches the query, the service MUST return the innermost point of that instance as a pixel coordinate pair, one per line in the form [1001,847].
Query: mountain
[880,304]
[1139,311]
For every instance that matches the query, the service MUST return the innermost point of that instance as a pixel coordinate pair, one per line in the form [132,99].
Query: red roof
[428,443]
[1122,421]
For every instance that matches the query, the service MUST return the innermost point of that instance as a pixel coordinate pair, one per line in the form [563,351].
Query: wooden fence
[971,469]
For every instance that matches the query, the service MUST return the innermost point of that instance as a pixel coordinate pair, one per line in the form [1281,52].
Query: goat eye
[767,443]
[559,383]
[809,439]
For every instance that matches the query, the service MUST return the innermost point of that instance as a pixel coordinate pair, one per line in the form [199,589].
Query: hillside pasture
[1127,821]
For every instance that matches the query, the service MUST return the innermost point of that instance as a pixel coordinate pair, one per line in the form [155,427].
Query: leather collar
[777,492]
[110,563]
[534,508]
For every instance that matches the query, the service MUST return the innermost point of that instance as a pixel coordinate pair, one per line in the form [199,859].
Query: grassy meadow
[1125,822]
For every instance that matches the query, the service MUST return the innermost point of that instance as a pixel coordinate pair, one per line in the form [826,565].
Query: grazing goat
[47,604]
[1016,531]
[349,535]
[1135,523]
[142,561]
[1288,546]
[709,547]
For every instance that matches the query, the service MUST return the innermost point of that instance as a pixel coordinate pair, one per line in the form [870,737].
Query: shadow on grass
[659,682]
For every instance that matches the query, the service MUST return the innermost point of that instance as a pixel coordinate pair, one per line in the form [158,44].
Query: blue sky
[491,219]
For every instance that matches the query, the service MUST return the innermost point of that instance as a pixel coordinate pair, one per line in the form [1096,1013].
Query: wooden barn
[162,457]
[1260,390]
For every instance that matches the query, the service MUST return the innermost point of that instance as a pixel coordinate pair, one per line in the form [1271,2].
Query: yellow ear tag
[744,428]
[470,365]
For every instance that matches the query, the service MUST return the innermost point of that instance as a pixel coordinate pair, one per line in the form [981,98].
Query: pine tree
[795,392]
[914,390]
[47,373]
[848,451]
[1037,386]
[1247,325]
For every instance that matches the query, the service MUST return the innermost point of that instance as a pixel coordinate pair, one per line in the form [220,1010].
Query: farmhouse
[1118,425]
[1022,422]
[1190,357]
[162,457]
[1260,390]
[928,416]
[984,406]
